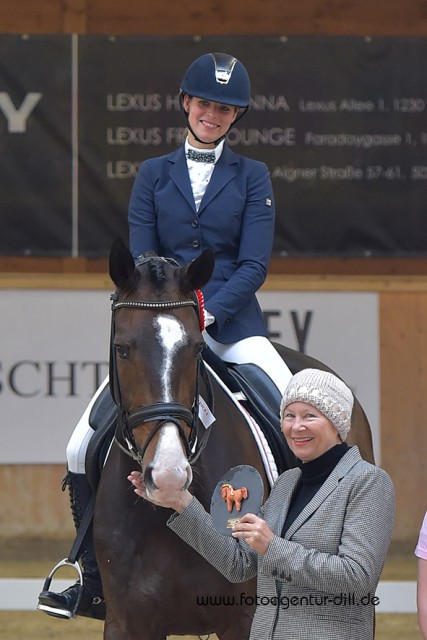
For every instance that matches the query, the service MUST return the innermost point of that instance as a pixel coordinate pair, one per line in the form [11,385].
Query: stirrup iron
[63,613]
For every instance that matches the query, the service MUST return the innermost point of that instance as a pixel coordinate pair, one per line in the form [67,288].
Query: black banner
[35,134]
[340,122]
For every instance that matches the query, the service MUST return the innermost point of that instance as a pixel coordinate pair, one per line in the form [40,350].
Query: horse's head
[156,345]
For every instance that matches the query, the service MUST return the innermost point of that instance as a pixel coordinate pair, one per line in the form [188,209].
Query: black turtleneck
[313,475]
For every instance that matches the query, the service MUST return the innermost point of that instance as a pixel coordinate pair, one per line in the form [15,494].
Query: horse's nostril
[148,478]
[189,478]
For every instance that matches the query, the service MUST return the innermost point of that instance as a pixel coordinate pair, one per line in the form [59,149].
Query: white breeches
[256,349]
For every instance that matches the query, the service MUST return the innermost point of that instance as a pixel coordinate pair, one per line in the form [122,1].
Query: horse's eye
[121,350]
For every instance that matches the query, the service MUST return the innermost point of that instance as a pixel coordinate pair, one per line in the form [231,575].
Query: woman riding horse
[201,196]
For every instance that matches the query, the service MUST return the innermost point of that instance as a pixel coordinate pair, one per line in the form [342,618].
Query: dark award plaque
[239,491]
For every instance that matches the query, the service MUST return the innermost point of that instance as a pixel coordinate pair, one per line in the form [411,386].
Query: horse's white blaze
[171,336]
[170,468]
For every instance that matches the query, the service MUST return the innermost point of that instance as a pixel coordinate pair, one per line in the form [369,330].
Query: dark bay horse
[154,584]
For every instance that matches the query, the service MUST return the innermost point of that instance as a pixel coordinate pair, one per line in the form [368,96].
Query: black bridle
[161,412]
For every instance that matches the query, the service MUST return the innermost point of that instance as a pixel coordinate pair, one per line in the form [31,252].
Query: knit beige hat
[324,391]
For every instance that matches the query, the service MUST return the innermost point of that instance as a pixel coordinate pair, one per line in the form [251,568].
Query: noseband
[161,412]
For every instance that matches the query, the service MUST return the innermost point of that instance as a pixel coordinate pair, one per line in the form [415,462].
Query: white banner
[54,353]
[340,329]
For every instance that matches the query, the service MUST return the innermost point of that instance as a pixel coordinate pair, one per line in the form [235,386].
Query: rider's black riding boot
[62,605]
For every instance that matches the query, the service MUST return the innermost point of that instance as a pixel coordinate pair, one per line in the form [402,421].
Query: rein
[162,412]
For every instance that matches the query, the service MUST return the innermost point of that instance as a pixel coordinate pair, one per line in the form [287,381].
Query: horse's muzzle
[166,478]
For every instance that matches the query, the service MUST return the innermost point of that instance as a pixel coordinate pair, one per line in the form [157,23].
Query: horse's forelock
[156,269]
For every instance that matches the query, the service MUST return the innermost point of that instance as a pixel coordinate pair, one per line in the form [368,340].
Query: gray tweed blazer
[319,581]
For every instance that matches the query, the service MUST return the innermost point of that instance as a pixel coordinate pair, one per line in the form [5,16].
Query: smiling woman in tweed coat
[319,543]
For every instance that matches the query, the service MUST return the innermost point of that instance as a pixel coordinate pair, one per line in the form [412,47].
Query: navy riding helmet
[218,77]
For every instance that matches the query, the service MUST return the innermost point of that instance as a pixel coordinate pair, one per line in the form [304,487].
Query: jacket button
[195,224]
[195,243]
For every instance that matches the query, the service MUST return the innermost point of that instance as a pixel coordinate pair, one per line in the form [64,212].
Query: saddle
[102,419]
[261,400]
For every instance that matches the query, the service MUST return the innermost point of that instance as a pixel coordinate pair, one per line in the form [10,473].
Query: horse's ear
[121,265]
[197,273]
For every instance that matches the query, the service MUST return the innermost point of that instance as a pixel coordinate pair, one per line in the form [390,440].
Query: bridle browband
[162,412]
[144,304]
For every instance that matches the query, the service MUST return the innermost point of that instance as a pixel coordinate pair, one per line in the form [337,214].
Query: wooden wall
[216,17]
[32,503]
[403,365]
